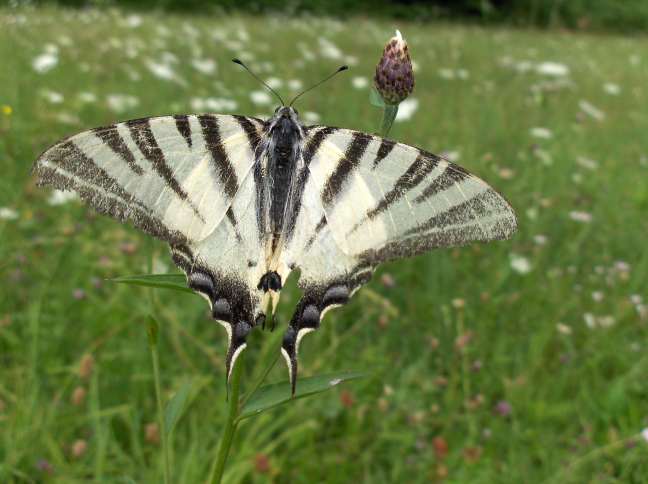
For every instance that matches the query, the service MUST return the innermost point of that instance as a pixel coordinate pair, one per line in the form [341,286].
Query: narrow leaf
[270,396]
[375,99]
[176,282]
[175,407]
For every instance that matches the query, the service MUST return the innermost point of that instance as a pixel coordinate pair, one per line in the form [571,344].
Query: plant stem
[389,114]
[158,396]
[230,424]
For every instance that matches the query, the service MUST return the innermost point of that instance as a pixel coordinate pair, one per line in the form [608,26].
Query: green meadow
[516,361]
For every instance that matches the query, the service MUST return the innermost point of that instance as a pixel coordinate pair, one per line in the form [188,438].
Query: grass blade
[273,395]
[175,282]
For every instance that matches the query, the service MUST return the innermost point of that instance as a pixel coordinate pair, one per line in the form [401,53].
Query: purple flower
[394,77]
[503,408]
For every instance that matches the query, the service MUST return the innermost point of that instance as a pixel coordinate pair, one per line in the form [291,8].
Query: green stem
[389,114]
[158,396]
[230,424]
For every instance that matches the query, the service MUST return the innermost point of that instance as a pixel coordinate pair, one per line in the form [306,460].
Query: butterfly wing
[367,200]
[186,180]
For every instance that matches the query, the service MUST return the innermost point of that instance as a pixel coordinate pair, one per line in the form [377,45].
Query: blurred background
[516,361]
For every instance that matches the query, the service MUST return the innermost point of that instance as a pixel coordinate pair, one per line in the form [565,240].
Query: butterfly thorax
[282,159]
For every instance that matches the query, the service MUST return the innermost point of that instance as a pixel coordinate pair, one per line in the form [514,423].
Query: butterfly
[243,202]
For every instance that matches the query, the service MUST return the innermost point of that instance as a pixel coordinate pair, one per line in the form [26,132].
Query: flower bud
[394,77]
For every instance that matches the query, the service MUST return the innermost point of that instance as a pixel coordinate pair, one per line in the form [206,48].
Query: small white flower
[274,82]
[612,89]
[606,321]
[598,296]
[445,73]
[563,328]
[204,66]
[260,98]
[406,109]
[87,97]
[162,71]
[59,197]
[311,117]
[121,102]
[553,69]
[587,163]
[540,239]
[360,82]
[520,264]
[329,50]
[45,62]
[583,217]
[295,84]
[636,299]
[133,21]
[590,320]
[591,110]
[52,96]
[644,434]
[462,74]
[7,213]
[540,132]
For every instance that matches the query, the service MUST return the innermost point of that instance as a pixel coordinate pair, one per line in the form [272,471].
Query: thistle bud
[394,77]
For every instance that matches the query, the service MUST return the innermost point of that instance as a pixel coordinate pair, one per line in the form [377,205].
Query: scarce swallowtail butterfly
[244,201]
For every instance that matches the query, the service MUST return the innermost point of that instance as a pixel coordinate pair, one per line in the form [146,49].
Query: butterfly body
[242,202]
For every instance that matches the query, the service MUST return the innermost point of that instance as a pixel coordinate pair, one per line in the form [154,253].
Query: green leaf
[270,396]
[375,99]
[152,330]
[176,282]
[175,407]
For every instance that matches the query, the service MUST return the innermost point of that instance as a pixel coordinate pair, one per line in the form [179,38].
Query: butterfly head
[285,120]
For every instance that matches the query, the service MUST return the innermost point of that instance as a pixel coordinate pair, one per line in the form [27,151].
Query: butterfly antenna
[240,62]
[340,69]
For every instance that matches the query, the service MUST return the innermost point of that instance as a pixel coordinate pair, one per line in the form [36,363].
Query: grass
[482,366]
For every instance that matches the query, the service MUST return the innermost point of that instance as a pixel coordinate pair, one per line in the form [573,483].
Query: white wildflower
[605,321]
[133,21]
[162,70]
[591,110]
[59,197]
[520,264]
[311,117]
[204,66]
[52,96]
[360,82]
[7,213]
[121,102]
[644,434]
[87,97]
[406,109]
[260,98]
[587,163]
[329,50]
[445,73]
[295,84]
[563,328]
[552,69]
[636,299]
[45,62]
[274,82]
[540,132]
[462,74]
[597,296]
[590,320]
[540,239]
[578,216]
[612,89]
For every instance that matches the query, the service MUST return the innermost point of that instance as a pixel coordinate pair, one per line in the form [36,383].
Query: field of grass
[518,361]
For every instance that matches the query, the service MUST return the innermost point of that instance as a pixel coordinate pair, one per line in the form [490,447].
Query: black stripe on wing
[184,128]
[311,147]
[111,137]
[142,134]
[452,175]
[214,143]
[386,146]
[413,176]
[345,166]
